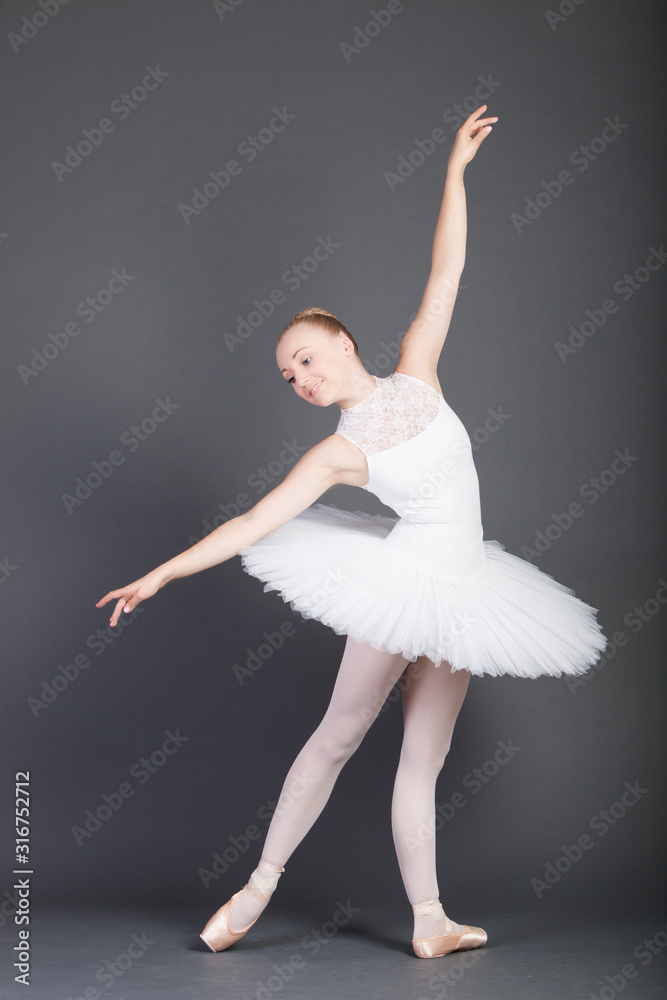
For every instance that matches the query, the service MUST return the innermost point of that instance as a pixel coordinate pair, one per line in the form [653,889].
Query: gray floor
[540,954]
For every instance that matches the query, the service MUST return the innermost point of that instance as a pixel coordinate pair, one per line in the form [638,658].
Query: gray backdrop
[142,401]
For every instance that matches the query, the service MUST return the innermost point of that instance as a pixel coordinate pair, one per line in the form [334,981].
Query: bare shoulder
[410,364]
[346,460]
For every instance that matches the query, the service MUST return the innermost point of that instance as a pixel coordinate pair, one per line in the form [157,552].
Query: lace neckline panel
[349,409]
[400,407]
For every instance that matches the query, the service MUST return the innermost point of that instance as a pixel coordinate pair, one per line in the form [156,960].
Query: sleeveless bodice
[421,465]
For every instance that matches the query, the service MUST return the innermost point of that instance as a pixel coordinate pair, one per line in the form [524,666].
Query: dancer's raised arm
[423,342]
[323,465]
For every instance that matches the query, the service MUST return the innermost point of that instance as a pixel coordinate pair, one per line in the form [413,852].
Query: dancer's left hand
[469,138]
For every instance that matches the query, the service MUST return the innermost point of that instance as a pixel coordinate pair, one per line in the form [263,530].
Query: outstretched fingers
[481,126]
[124,602]
[474,115]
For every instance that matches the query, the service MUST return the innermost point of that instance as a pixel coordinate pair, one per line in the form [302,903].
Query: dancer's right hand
[131,595]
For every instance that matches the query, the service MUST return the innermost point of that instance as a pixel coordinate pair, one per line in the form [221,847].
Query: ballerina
[423,588]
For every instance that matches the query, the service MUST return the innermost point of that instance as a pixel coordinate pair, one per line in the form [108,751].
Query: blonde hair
[322,319]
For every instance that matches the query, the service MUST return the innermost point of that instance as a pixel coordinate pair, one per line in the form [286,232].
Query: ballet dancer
[422,592]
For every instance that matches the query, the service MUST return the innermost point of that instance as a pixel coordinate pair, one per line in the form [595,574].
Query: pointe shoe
[444,944]
[218,933]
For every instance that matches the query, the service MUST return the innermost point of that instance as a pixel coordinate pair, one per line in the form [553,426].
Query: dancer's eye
[304,362]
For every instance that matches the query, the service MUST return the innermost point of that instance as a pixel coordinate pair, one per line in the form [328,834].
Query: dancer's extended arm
[423,342]
[322,466]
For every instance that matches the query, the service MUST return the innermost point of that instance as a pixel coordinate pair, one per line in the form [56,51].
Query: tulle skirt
[404,589]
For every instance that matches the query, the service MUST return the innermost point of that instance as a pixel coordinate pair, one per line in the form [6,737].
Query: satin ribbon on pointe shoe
[218,933]
[443,944]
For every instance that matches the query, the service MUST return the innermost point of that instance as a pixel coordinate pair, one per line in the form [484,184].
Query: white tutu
[498,614]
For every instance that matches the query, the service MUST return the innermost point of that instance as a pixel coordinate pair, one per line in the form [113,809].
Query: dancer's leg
[365,678]
[432,699]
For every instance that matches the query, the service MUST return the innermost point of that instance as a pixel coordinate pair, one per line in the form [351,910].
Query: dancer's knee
[417,754]
[337,739]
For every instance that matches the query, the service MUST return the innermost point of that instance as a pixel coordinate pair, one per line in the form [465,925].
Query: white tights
[432,698]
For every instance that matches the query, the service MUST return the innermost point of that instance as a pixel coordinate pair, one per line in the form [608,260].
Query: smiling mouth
[312,392]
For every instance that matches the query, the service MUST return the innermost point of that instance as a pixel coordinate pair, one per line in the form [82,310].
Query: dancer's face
[314,363]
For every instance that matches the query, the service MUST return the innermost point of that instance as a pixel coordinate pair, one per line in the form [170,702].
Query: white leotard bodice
[420,461]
